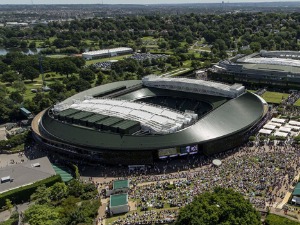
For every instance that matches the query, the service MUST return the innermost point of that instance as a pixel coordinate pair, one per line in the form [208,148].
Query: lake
[26,51]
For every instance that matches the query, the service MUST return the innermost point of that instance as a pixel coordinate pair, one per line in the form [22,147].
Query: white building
[106,53]
[194,86]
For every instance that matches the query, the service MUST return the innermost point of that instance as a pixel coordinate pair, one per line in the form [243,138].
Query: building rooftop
[25,173]
[153,118]
[194,85]
[297,190]
[118,200]
[107,51]
[119,184]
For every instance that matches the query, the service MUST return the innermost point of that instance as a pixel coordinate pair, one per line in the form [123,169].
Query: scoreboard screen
[190,149]
[170,152]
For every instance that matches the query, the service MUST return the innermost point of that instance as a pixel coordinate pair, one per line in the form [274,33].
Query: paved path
[5,215]
[288,194]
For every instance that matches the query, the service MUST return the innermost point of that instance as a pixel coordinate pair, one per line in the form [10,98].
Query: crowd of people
[262,174]
[293,97]
[148,218]
[103,65]
[147,56]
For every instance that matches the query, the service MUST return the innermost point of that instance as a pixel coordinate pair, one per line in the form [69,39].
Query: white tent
[265,131]
[269,127]
[295,128]
[285,129]
[294,123]
[280,134]
[274,124]
[276,120]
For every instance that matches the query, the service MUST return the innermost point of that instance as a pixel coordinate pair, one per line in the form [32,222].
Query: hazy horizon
[143,2]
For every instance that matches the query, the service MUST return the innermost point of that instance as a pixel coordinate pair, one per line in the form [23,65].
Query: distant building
[106,53]
[279,68]
[16,24]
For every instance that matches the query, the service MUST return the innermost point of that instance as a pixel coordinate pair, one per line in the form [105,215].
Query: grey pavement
[5,215]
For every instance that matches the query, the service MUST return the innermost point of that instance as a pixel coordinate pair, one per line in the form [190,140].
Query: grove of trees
[222,206]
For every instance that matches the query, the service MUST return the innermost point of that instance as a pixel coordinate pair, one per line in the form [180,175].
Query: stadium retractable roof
[194,86]
[153,118]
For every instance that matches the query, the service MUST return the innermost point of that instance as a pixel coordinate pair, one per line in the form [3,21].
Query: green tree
[23,44]
[8,205]
[58,191]
[222,206]
[16,97]
[9,76]
[41,215]
[30,73]
[19,86]
[32,45]
[67,67]
[100,78]
[87,74]
[41,195]
[3,67]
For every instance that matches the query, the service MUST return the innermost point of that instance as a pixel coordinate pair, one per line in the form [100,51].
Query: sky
[128,1]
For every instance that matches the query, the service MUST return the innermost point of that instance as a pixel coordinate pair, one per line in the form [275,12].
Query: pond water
[26,51]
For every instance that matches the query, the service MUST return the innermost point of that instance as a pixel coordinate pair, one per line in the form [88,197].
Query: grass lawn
[36,84]
[57,56]
[297,103]
[90,62]
[279,220]
[274,97]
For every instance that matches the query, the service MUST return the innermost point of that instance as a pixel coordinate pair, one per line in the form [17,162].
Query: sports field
[274,97]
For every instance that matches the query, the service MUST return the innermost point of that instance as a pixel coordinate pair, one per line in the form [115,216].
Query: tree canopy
[222,206]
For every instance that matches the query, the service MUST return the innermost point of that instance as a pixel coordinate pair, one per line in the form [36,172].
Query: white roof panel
[264,131]
[294,123]
[285,129]
[276,120]
[269,127]
[274,124]
[280,134]
[154,118]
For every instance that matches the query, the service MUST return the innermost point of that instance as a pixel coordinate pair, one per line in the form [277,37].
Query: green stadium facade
[81,134]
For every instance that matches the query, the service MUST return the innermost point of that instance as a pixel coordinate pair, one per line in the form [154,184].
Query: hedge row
[23,194]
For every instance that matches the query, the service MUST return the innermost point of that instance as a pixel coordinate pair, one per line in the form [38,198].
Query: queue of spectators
[293,97]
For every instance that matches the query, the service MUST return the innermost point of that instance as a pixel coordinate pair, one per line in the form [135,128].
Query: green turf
[279,220]
[297,103]
[36,84]
[93,61]
[274,97]
[63,172]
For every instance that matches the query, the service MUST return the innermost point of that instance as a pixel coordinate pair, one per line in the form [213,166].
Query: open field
[297,103]
[93,61]
[175,72]
[274,97]
[36,84]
